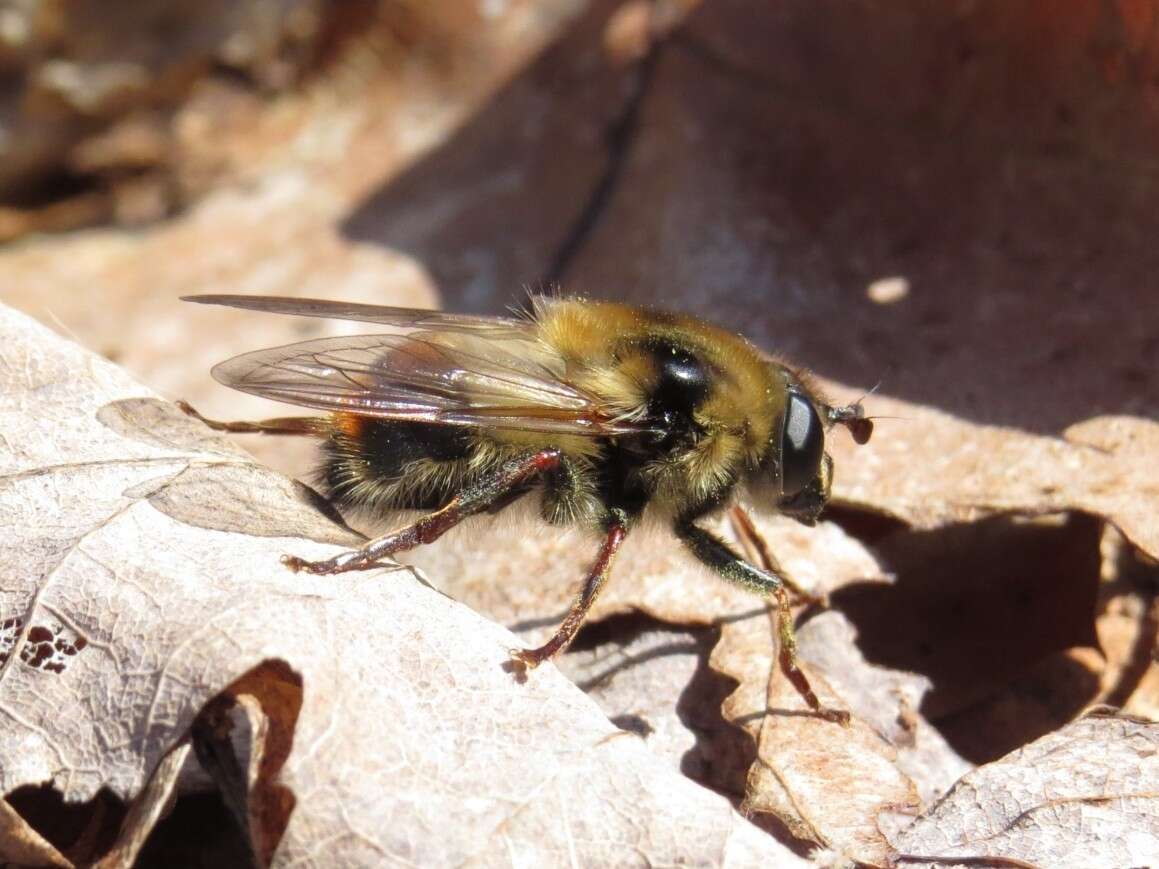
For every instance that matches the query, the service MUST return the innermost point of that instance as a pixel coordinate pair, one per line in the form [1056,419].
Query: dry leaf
[132,609]
[1128,629]
[778,160]
[888,701]
[286,174]
[967,471]
[1087,795]
[649,678]
[827,784]
[817,784]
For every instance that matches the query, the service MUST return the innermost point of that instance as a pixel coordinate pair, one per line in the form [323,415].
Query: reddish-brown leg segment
[594,583]
[472,500]
[787,658]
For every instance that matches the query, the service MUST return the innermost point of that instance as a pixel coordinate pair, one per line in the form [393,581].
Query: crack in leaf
[64,467]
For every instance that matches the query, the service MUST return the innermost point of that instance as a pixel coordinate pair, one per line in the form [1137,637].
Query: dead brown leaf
[928,468]
[128,615]
[1086,795]
[1128,629]
[826,783]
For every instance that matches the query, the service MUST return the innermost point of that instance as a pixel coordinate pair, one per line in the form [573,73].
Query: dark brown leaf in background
[996,157]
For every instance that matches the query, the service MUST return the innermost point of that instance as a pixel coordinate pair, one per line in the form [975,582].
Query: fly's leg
[307,426]
[757,548]
[474,499]
[714,553]
[594,583]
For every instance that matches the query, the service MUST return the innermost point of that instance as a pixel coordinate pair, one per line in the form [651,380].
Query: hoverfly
[602,411]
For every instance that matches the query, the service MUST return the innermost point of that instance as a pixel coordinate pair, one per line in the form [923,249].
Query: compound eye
[802,444]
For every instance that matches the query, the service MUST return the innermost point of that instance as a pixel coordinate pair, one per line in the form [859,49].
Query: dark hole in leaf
[39,634]
[80,831]
[49,648]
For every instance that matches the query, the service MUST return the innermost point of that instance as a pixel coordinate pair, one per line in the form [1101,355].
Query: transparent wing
[465,376]
[405,318]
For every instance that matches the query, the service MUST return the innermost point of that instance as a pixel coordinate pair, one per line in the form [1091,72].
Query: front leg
[716,554]
[757,549]
[476,498]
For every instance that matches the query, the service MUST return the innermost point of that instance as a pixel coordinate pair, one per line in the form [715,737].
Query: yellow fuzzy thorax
[602,345]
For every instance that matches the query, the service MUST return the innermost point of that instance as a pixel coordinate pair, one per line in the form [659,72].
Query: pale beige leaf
[813,775]
[1086,795]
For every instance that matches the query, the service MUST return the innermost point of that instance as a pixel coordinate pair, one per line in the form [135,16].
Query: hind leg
[474,499]
[306,426]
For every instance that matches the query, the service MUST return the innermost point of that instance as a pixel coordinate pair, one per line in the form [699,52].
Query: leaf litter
[965,486]
[1014,563]
[158,589]
[162,501]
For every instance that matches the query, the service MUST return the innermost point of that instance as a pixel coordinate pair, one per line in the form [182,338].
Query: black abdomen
[370,462]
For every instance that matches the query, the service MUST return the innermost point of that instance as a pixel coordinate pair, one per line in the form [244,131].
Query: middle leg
[305,426]
[594,583]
